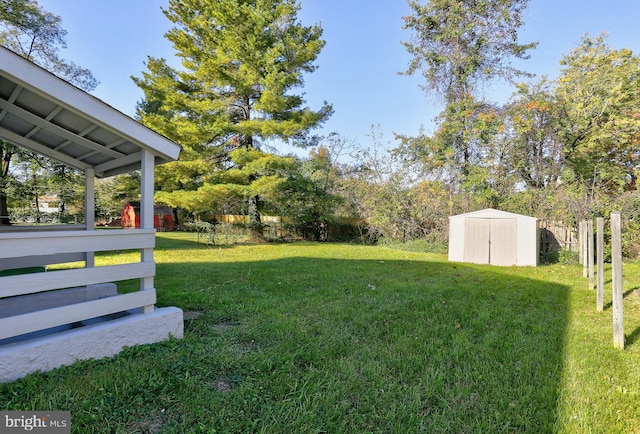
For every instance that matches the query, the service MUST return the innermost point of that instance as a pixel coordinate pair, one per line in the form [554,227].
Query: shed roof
[492,213]
[49,116]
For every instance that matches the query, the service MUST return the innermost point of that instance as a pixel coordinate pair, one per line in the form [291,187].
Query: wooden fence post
[585,248]
[600,260]
[581,244]
[616,265]
[590,251]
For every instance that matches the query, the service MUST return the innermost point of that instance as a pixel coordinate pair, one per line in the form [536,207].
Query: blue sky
[358,68]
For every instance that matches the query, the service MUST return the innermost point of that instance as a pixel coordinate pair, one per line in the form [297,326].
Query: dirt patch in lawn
[191,314]
[225,325]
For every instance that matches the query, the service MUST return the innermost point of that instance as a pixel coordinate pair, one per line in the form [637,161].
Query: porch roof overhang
[51,117]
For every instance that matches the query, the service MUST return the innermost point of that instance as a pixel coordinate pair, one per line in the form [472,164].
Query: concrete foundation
[92,341]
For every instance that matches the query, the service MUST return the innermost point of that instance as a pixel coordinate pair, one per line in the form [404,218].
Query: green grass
[337,338]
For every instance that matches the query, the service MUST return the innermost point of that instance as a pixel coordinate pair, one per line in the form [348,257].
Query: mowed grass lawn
[338,338]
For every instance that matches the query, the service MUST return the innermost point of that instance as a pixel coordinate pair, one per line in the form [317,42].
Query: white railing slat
[41,260]
[19,244]
[43,228]
[47,318]
[30,283]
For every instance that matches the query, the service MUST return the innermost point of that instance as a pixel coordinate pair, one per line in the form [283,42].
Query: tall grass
[338,338]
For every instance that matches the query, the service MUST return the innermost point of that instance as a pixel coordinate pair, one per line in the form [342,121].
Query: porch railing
[26,249]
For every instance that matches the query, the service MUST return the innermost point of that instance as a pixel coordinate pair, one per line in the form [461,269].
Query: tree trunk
[5,158]
[4,209]
[255,223]
[36,199]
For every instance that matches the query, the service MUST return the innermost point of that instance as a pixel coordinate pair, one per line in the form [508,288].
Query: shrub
[568,257]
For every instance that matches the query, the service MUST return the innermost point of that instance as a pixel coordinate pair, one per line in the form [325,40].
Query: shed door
[476,240]
[503,242]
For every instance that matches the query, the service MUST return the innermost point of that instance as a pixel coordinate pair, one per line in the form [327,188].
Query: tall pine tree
[242,60]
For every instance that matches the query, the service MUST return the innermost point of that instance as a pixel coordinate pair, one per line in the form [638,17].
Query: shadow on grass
[631,339]
[625,294]
[381,344]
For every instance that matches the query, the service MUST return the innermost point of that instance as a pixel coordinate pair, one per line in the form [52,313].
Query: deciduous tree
[599,93]
[38,36]
[456,45]
[307,197]
[534,150]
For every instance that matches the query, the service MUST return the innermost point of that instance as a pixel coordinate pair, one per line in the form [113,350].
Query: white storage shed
[494,237]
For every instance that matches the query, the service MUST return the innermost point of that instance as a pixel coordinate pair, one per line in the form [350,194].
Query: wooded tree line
[561,148]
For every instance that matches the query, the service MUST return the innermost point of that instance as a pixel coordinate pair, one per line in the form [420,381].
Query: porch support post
[146,215]
[90,209]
